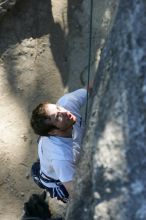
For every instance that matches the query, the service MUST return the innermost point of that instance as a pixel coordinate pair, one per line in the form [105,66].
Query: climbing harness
[38,176]
[59,191]
[89,57]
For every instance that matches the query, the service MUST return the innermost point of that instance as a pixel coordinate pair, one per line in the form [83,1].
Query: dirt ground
[43,54]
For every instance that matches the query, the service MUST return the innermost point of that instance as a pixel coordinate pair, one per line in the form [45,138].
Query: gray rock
[6,5]
[111,175]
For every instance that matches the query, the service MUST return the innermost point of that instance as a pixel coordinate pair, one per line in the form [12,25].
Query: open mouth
[72,117]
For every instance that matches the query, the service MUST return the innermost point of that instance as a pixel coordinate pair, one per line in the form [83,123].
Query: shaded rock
[6,5]
[111,176]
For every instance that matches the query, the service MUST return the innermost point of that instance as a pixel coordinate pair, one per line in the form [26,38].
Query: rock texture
[43,53]
[32,64]
[111,176]
[5,6]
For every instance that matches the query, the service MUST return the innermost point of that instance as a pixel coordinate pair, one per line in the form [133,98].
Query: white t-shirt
[58,155]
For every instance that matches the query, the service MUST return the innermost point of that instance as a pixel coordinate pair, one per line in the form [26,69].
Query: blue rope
[89,57]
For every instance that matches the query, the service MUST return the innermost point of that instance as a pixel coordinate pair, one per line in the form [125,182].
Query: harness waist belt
[47,179]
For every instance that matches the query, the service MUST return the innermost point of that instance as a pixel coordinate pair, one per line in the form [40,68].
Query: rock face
[43,52]
[111,175]
[5,6]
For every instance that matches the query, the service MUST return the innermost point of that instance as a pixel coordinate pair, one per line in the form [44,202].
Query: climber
[60,127]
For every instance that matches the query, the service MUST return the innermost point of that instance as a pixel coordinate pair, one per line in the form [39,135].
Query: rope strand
[89,58]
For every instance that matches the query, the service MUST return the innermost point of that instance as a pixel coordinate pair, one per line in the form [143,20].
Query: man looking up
[60,127]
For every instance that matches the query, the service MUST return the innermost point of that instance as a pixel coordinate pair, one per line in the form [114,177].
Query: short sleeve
[64,170]
[73,101]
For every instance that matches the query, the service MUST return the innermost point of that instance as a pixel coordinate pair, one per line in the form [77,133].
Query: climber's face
[60,117]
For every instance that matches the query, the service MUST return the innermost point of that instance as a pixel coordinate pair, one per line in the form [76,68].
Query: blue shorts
[59,191]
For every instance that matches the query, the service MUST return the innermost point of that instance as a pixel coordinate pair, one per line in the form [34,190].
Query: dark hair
[40,121]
